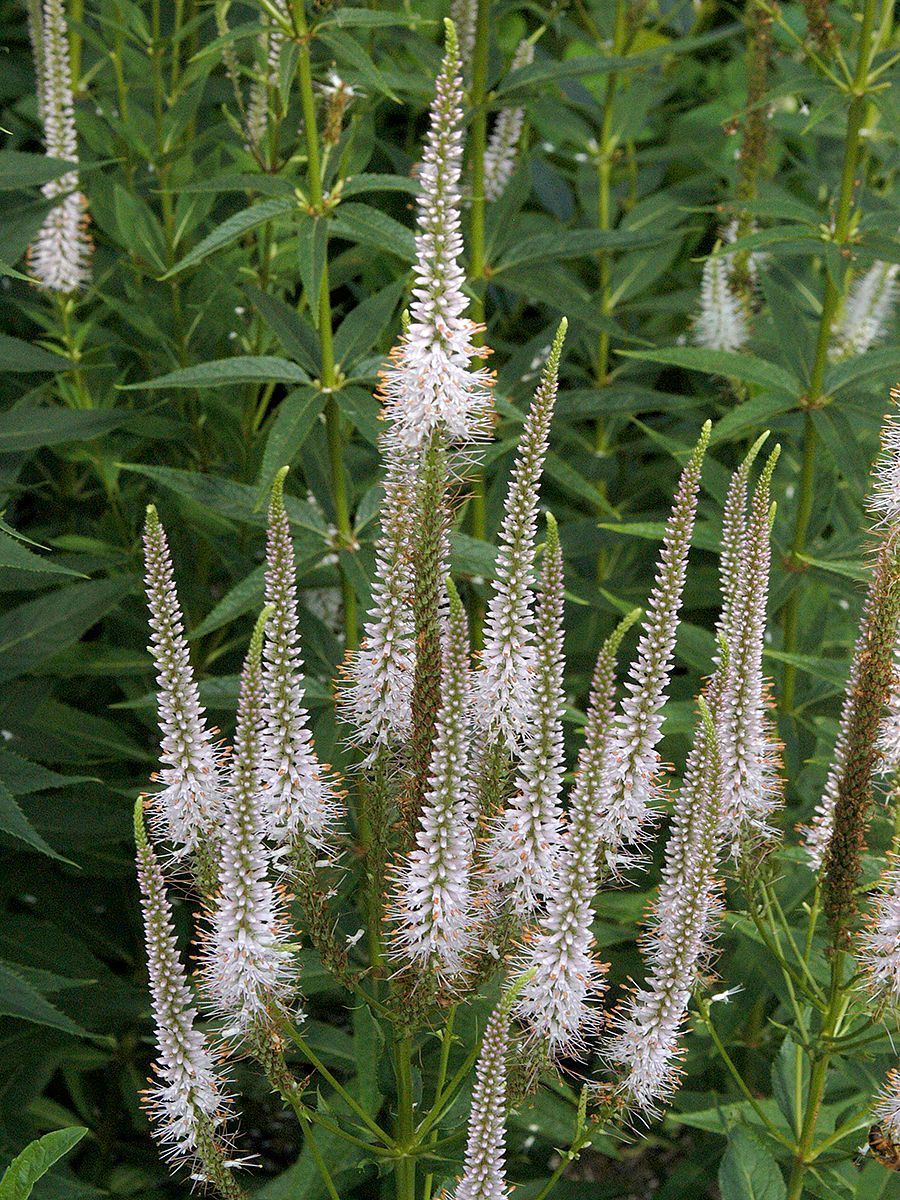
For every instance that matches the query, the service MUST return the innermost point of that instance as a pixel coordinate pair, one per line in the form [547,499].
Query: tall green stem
[815,398]
[329,378]
[406,1166]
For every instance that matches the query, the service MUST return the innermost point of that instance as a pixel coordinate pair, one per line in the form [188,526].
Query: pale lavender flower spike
[430,385]
[377,687]
[563,980]
[522,853]
[484,1176]
[301,798]
[60,256]
[632,763]
[188,808]
[867,312]
[503,144]
[722,322]
[645,1047]
[433,907]
[248,964]
[750,754]
[186,1102]
[887,1110]
[879,944]
[504,688]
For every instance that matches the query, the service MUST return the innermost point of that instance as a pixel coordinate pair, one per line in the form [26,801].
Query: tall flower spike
[645,1044]
[60,256]
[879,944]
[430,384]
[188,809]
[750,757]
[484,1176]
[631,787]
[734,531]
[505,686]
[522,854]
[186,1102]
[248,960]
[722,321]
[867,311]
[562,976]
[269,46]
[376,694]
[503,144]
[883,501]
[433,908]
[887,1110]
[464,15]
[302,801]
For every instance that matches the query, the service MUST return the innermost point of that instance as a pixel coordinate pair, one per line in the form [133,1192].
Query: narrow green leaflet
[23,777]
[748,1171]
[235,227]
[750,416]
[746,367]
[883,361]
[18,356]
[704,536]
[226,372]
[313,247]
[364,326]
[16,557]
[36,1160]
[350,52]
[368,226]
[15,824]
[572,243]
[296,415]
[23,429]
[296,335]
[20,170]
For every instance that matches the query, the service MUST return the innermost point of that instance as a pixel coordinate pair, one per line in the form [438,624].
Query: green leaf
[750,416]
[360,407]
[365,182]
[313,249]
[36,1160]
[295,334]
[235,227]
[20,1000]
[246,596]
[364,325]
[226,372]
[33,632]
[23,429]
[746,367]
[293,422]
[884,361]
[572,243]
[19,356]
[654,531]
[351,52]
[16,557]
[370,227]
[15,824]
[20,170]
[23,777]
[748,1171]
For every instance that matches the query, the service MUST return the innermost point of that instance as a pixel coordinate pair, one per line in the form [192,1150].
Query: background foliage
[192,370]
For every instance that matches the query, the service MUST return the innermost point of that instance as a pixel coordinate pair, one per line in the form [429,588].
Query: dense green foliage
[197,363]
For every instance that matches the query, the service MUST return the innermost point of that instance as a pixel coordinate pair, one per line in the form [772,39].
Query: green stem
[329,378]
[446,1043]
[406,1166]
[815,398]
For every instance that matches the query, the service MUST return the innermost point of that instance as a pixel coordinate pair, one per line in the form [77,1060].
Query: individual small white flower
[484,1176]
[867,311]
[60,256]
[376,694]
[430,384]
[301,798]
[722,322]
[248,965]
[631,787]
[186,1102]
[522,853]
[879,944]
[504,688]
[433,906]
[563,980]
[645,1046]
[503,144]
[188,808]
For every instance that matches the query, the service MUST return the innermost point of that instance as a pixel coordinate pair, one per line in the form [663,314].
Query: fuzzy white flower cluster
[269,46]
[503,144]
[186,1101]
[303,805]
[60,256]
[867,312]
[631,786]
[878,944]
[505,688]
[523,850]
[188,808]
[723,322]
[430,385]
[433,907]
[484,1177]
